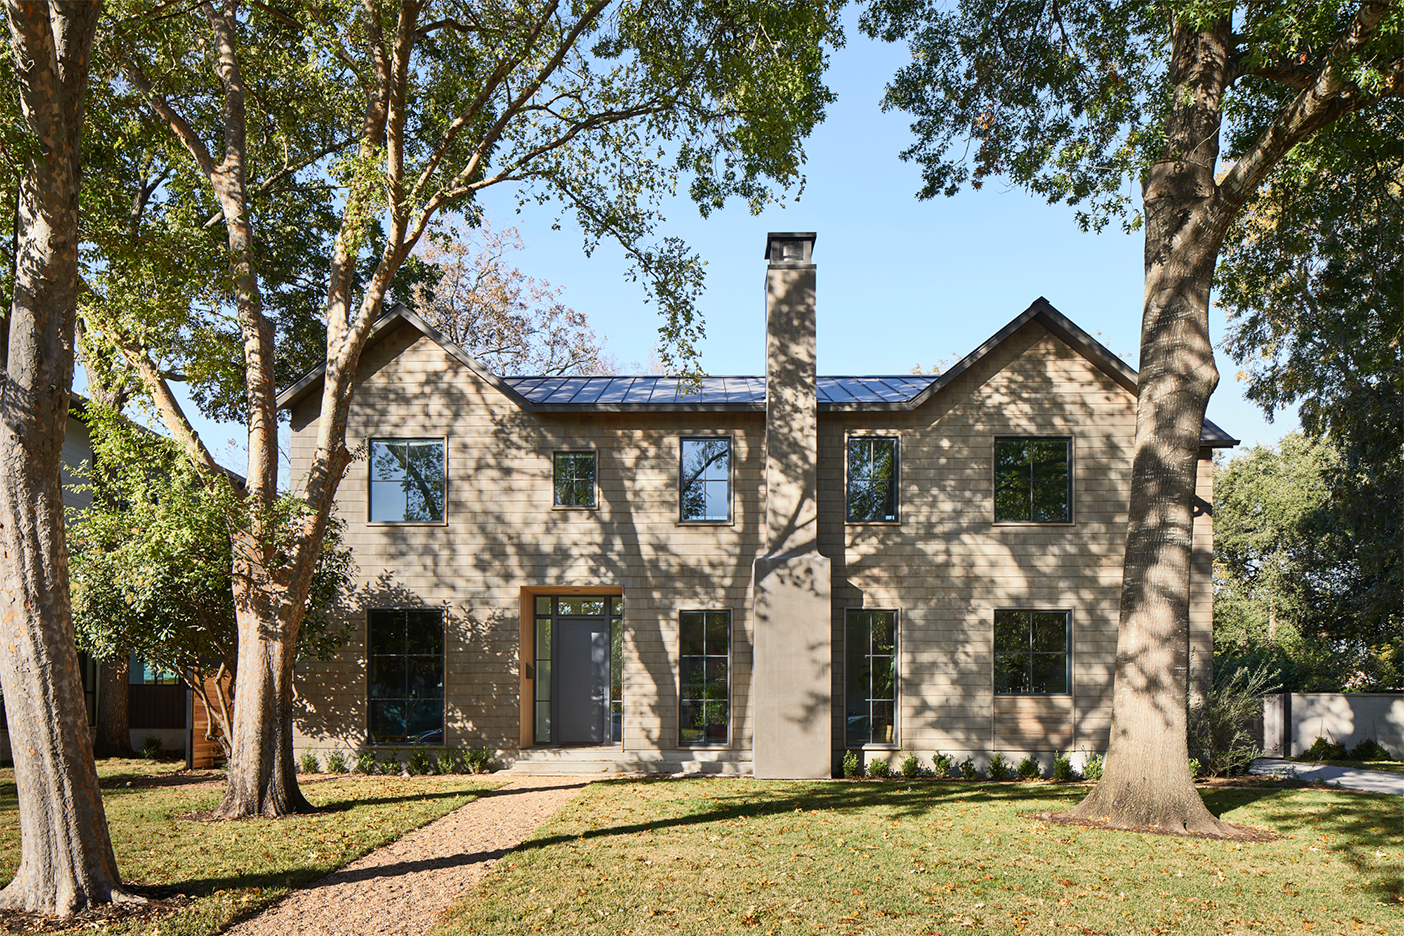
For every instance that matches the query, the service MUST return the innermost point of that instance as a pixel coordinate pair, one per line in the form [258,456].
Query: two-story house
[753,575]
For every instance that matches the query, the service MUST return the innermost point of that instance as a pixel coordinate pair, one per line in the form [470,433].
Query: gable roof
[835,394]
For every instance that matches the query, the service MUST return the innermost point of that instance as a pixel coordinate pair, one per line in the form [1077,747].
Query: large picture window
[1033,481]
[704,481]
[575,479]
[872,480]
[407,480]
[704,709]
[1031,652]
[870,676]
[406,681]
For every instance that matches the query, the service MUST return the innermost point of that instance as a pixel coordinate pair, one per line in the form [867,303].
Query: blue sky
[901,283]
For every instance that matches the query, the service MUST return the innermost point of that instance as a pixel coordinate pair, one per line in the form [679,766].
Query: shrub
[478,760]
[1369,749]
[418,763]
[999,767]
[1062,768]
[365,763]
[390,763]
[967,768]
[448,761]
[1029,768]
[151,747]
[1218,724]
[308,763]
[1195,768]
[1093,769]
[941,764]
[336,762]
[852,765]
[1322,749]
[911,766]
[880,768]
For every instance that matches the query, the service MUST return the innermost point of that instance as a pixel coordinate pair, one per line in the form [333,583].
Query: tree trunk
[66,859]
[1146,782]
[114,736]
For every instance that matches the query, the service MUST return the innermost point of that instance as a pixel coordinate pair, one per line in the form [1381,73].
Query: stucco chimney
[792,691]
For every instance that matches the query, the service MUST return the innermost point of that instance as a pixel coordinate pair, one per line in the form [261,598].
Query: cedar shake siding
[942,563]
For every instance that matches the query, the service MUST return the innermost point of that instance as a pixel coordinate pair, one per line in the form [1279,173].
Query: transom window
[704,481]
[704,707]
[407,480]
[575,479]
[870,674]
[406,684]
[872,479]
[1033,481]
[1031,652]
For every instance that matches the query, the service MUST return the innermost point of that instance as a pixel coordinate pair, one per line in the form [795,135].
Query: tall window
[704,710]
[407,480]
[575,479]
[870,674]
[1033,481]
[872,479]
[704,481]
[1031,652]
[406,683]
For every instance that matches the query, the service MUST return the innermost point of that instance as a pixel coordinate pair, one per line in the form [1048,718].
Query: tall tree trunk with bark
[66,859]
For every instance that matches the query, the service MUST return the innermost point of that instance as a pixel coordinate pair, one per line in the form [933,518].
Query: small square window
[704,481]
[407,481]
[1031,652]
[1033,481]
[872,480]
[575,479]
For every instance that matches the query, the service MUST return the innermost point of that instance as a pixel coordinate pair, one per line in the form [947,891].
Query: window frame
[730,672]
[371,482]
[443,663]
[730,480]
[896,441]
[994,481]
[594,480]
[896,741]
[1067,654]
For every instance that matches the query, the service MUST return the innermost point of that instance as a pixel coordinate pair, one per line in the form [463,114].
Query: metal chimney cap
[790,246]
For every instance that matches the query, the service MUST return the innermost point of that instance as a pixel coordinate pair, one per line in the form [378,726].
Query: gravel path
[403,888]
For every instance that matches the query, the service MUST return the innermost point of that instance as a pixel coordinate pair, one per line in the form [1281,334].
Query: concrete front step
[611,761]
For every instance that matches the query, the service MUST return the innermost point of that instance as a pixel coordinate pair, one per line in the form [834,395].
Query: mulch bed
[160,902]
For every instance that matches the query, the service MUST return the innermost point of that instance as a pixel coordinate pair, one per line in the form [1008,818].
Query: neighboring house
[753,575]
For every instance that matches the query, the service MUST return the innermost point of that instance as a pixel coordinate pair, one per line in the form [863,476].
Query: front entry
[578,662]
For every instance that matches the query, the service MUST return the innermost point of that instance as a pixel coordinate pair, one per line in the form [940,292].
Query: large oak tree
[1075,99]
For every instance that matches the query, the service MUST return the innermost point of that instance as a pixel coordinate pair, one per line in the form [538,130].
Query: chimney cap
[790,246]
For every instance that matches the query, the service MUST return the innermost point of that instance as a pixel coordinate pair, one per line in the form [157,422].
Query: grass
[235,868]
[712,856]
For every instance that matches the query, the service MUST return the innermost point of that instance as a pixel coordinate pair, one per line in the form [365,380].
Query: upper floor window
[407,480]
[406,679]
[704,481]
[872,479]
[1031,652]
[870,677]
[575,479]
[1033,481]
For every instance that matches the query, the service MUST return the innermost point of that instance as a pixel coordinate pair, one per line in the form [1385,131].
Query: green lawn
[234,868]
[712,856]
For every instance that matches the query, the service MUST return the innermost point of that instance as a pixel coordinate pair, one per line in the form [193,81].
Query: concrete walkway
[1367,781]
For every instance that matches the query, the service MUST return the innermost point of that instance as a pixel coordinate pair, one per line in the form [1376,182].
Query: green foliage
[1092,770]
[852,765]
[1370,750]
[447,761]
[478,760]
[880,768]
[1195,768]
[999,766]
[365,763]
[1062,767]
[336,763]
[911,767]
[1324,749]
[151,747]
[390,764]
[1220,744]
[308,763]
[419,763]
[1029,768]
[967,769]
[941,765]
